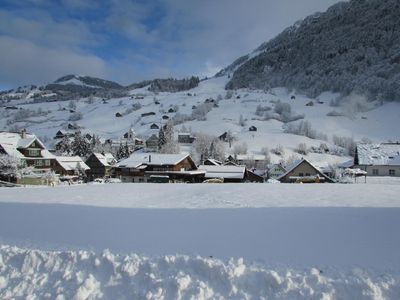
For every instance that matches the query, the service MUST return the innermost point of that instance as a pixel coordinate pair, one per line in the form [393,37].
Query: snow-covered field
[231,241]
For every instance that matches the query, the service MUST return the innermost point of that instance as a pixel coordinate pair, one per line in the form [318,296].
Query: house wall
[381,170]
[97,169]
[302,170]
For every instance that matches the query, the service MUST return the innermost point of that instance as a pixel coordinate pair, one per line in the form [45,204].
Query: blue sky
[132,40]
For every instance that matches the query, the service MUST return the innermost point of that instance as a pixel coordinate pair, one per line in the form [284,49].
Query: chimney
[149,158]
[23,133]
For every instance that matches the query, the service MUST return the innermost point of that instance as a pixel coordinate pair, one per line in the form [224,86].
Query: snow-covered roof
[379,154]
[11,141]
[106,159]
[69,163]
[227,172]
[290,167]
[135,160]
[214,161]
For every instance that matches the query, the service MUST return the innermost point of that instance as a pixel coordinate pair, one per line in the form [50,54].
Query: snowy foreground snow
[87,275]
[230,241]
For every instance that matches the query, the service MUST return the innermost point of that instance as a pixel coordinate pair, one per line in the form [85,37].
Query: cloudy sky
[131,40]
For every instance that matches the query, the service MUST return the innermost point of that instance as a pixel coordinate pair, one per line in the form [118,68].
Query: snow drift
[38,274]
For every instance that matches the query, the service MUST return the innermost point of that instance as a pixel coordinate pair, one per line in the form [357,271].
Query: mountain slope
[353,47]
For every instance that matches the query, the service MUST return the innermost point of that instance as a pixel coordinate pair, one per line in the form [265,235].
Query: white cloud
[22,62]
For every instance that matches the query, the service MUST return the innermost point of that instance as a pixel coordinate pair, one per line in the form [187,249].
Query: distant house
[148,114]
[253,128]
[212,162]
[311,103]
[118,115]
[130,134]
[378,159]
[60,134]
[154,126]
[100,165]
[171,110]
[302,171]
[165,117]
[152,142]
[275,171]
[185,138]
[223,137]
[293,97]
[144,167]
[228,173]
[72,126]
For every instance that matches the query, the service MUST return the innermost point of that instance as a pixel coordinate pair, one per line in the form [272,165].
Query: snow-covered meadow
[230,241]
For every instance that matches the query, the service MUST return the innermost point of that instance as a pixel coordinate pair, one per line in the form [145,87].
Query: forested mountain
[352,47]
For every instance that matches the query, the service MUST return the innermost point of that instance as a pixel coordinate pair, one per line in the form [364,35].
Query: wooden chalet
[144,166]
[100,165]
[302,171]
[32,153]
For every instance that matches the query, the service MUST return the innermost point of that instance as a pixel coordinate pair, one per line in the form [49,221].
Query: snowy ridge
[57,275]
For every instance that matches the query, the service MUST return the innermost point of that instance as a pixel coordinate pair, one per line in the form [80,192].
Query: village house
[252,128]
[152,142]
[275,171]
[302,171]
[229,173]
[185,138]
[378,159]
[33,153]
[100,165]
[144,167]
[154,126]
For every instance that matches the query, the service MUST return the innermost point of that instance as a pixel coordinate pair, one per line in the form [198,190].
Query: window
[47,162]
[301,174]
[392,172]
[33,152]
[38,163]
[308,174]
[375,172]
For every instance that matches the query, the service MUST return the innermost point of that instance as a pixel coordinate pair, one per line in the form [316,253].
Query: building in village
[378,159]
[276,170]
[100,165]
[152,142]
[33,153]
[185,138]
[229,172]
[302,171]
[144,167]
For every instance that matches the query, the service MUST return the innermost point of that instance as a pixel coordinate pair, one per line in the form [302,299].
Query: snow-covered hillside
[358,119]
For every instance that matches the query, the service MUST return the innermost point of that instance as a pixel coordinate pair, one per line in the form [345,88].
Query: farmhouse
[32,153]
[302,171]
[378,159]
[100,165]
[141,167]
